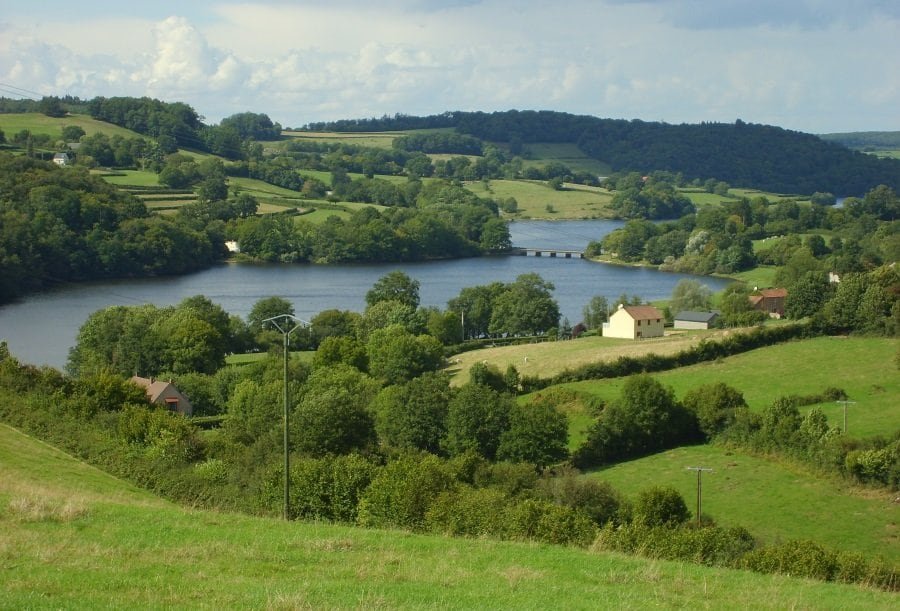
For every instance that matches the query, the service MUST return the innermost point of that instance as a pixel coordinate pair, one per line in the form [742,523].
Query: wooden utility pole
[699,471]
[845,402]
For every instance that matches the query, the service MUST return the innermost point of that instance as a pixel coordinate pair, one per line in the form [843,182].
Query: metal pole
[286,333]
[287,453]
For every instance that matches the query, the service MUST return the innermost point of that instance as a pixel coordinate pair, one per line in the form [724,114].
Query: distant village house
[61,159]
[634,322]
[770,301]
[164,394]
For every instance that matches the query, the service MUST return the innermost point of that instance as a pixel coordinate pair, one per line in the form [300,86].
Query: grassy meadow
[39,123]
[74,537]
[537,200]
[774,501]
[567,153]
[863,367]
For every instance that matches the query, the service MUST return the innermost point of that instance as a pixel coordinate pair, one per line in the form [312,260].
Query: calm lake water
[42,328]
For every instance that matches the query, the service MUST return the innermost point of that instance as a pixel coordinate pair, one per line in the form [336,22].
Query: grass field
[545,359]
[38,123]
[774,501]
[566,153]
[534,197]
[863,367]
[374,139]
[73,537]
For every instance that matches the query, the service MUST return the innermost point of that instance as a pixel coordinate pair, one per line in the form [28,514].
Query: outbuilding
[696,320]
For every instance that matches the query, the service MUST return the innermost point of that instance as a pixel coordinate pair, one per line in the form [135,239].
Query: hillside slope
[110,545]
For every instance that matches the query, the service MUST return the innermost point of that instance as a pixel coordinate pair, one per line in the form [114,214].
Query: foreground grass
[774,501]
[120,548]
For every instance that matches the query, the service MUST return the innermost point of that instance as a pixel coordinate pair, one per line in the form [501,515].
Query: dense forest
[68,226]
[743,154]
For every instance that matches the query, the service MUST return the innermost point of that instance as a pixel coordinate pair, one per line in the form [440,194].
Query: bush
[468,512]
[402,492]
[594,498]
[660,506]
[794,558]
[322,488]
[711,546]
[543,521]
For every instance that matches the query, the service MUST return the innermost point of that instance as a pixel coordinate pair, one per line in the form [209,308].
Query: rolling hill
[71,536]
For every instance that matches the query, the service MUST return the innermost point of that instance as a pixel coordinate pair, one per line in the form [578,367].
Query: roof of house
[773,293]
[154,388]
[643,312]
[689,316]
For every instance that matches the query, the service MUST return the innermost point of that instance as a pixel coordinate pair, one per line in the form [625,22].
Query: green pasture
[38,123]
[776,502]
[534,197]
[73,537]
[863,366]
[371,139]
[567,153]
[762,275]
[129,178]
[702,198]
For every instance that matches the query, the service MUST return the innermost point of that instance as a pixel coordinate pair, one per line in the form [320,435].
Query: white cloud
[811,65]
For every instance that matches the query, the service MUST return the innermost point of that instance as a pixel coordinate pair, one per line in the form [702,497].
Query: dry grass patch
[44,509]
[545,359]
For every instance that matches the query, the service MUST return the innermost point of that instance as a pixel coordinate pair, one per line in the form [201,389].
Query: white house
[634,322]
[61,159]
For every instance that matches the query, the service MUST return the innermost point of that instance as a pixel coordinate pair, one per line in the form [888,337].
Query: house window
[172,404]
[639,323]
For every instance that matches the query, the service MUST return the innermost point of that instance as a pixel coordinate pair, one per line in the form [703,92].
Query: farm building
[695,320]
[164,394]
[770,301]
[61,159]
[634,322]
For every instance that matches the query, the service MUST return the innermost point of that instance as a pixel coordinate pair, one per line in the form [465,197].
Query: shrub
[596,499]
[794,558]
[660,506]
[468,512]
[711,546]
[403,491]
[543,521]
[322,488]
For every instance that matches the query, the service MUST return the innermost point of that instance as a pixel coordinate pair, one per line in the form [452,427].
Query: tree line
[749,155]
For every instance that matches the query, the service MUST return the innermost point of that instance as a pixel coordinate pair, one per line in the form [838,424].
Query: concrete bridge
[546,252]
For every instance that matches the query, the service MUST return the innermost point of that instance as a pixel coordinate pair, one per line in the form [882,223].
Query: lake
[41,328]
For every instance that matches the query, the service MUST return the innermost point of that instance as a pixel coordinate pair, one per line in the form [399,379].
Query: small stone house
[770,301]
[164,394]
[695,320]
[61,159]
[634,322]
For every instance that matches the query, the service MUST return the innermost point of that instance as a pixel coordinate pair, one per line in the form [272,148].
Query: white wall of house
[623,325]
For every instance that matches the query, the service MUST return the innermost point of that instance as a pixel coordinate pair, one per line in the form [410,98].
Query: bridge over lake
[524,251]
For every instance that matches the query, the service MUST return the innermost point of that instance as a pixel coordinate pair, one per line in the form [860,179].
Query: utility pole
[289,324]
[844,403]
[699,471]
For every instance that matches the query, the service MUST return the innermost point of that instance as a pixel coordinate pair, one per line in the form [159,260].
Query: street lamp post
[289,324]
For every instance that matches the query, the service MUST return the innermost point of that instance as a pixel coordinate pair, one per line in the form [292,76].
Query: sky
[817,66]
